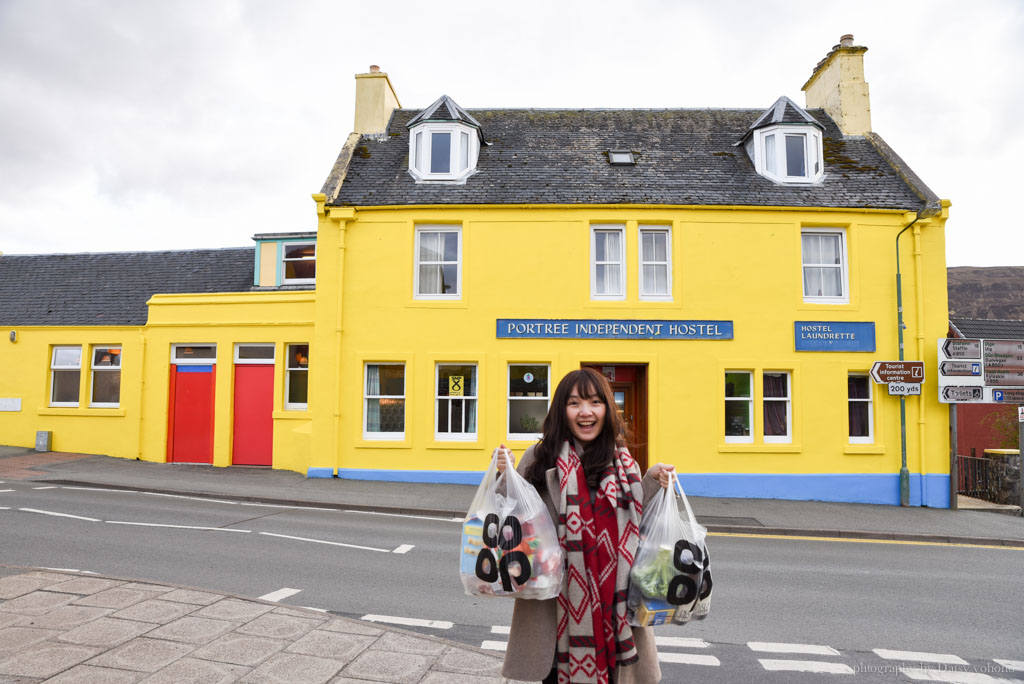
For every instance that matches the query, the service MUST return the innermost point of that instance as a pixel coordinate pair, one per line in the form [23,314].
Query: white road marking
[4,508]
[250,503]
[53,487]
[680,642]
[406,515]
[689,659]
[280,594]
[404,548]
[102,489]
[411,622]
[6,490]
[952,676]
[494,645]
[805,666]
[192,498]
[81,572]
[501,629]
[914,656]
[179,527]
[59,515]
[805,649]
[319,610]
[1017,665]
[323,541]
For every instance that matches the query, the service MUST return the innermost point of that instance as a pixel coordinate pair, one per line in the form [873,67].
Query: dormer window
[444,143]
[785,144]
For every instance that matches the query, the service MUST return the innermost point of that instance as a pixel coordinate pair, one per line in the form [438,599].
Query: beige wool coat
[532,638]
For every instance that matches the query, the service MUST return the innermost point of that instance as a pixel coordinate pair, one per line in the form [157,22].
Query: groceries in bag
[670,580]
[509,543]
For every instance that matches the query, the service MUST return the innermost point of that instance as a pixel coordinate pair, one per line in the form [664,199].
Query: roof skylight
[621,158]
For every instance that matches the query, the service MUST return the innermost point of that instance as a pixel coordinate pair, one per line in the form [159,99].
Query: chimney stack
[375,100]
[837,85]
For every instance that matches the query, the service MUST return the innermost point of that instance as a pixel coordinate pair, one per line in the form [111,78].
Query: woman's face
[585,416]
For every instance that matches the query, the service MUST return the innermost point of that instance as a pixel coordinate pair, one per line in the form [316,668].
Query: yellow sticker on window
[456,385]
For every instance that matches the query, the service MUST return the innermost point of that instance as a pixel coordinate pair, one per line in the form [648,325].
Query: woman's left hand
[663,472]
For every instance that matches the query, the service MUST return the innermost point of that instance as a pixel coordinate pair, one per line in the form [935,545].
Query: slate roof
[556,156]
[444,109]
[988,328]
[784,111]
[112,288]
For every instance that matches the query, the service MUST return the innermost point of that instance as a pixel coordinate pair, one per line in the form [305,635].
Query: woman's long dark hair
[598,454]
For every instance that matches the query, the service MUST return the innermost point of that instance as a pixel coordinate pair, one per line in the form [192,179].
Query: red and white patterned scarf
[600,540]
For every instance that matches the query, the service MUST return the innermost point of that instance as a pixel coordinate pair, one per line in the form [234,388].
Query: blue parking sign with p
[997,395]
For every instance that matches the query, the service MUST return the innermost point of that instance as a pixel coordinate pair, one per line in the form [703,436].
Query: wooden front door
[190,430]
[629,389]
[253,430]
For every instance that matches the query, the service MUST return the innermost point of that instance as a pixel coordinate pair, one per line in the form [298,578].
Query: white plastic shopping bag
[509,543]
[670,580]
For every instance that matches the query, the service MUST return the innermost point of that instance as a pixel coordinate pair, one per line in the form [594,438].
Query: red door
[253,442]
[190,433]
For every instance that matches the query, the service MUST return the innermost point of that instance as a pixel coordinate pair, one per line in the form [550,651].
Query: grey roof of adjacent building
[112,288]
[557,156]
[988,328]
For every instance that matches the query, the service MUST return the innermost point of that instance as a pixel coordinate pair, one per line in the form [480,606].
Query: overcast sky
[144,124]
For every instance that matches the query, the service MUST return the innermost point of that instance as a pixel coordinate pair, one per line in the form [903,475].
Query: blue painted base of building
[931,490]
[320,472]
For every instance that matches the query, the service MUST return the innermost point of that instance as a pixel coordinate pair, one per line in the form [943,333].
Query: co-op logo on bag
[502,537]
[695,581]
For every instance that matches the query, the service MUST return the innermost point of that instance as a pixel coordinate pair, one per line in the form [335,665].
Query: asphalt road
[835,608]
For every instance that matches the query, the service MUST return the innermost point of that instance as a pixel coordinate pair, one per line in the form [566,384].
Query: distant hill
[994,292]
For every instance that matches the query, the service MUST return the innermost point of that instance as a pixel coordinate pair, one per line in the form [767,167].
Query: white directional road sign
[907,389]
[994,368]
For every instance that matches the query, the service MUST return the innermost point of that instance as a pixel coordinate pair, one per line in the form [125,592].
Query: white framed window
[860,409]
[455,401]
[296,377]
[825,270]
[445,152]
[105,379]
[254,354]
[777,407]
[384,401]
[655,262]
[298,262]
[193,354]
[528,399]
[739,406]
[607,261]
[789,153]
[438,272]
[65,375]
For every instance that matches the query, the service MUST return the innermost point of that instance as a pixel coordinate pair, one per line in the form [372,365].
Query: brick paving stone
[388,666]
[36,603]
[106,631]
[195,671]
[200,598]
[19,585]
[85,585]
[116,598]
[12,618]
[278,626]
[147,587]
[455,678]
[193,630]
[404,643]
[234,609]
[14,639]
[240,649]
[292,668]
[155,610]
[11,679]
[46,660]
[351,627]
[87,674]
[63,618]
[469,662]
[143,654]
[337,645]
[54,577]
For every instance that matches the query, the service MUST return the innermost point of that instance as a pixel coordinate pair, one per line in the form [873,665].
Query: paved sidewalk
[87,629]
[726,516]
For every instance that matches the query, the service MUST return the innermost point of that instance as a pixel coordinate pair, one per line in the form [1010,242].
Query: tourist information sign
[994,368]
[898,371]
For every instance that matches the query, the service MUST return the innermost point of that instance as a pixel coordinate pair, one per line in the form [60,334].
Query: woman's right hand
[499,453]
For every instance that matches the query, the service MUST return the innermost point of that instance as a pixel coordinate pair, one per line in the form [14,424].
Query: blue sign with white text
[834,336]
[584,329]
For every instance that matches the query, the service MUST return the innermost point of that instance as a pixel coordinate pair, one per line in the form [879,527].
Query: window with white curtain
[528,399]
[384,401]
[607,262]
[655,262]
[456,398]
[823,253]
[438,273]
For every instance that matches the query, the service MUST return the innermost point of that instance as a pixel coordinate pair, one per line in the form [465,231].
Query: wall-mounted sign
[898,371]
[10,404]
[994,367]
[834,336]
[1008,396]
[589,329]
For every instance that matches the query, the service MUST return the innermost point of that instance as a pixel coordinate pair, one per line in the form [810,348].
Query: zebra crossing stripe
[501,629]
[1016,665]
[494,645]
[952,676]
[804,649]
[917,657]
[680,642]
[689,659]
[805,666]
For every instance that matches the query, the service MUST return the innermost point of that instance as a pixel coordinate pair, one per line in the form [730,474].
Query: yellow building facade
[731,272]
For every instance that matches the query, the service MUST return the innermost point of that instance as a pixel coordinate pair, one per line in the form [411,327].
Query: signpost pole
[1020,453]
[954,460]
[904,473]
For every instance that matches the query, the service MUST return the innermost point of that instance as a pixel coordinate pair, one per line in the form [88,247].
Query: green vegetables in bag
[654,576]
